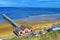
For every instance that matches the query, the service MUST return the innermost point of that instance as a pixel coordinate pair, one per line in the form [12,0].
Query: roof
[22,27]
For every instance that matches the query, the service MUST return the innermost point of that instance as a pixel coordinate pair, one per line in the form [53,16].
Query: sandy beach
[6,29]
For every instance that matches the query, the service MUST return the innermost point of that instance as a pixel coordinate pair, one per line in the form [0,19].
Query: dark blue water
[20,12]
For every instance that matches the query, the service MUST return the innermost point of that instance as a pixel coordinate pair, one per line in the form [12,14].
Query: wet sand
[6,29]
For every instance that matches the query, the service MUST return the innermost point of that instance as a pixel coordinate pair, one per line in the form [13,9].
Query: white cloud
[6,2]
[30,3]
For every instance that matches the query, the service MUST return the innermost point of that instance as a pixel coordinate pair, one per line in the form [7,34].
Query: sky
[30,3]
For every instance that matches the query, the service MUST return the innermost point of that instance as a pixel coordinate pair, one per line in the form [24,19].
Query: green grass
[48,36]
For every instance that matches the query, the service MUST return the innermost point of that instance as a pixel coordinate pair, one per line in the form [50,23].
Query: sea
[25,12]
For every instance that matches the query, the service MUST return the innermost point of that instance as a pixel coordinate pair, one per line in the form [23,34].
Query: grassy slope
[48,36]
